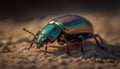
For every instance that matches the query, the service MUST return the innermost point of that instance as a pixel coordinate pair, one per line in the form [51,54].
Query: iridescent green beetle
[64,29]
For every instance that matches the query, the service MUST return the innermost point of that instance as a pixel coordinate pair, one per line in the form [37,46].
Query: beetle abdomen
[73,24]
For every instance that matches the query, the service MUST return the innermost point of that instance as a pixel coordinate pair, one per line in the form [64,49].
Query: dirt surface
[14,43]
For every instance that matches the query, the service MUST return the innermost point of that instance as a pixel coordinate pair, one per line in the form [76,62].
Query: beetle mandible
[64,29]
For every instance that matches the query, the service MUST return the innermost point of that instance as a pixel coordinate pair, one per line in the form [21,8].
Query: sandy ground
[14,43]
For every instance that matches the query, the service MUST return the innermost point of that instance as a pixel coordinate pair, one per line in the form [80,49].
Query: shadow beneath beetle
[90,48]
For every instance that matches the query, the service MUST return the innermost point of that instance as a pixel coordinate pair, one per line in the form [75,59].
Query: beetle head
[41,40]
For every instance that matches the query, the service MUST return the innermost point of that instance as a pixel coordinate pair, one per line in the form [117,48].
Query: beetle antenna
[31,44]
[28,31]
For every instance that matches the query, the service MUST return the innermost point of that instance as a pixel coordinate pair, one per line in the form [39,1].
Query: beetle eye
[44,39]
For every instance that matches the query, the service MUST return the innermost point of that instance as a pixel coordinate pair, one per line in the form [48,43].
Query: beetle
[64,29]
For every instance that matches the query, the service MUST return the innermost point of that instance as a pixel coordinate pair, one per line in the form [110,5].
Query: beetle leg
[68,49]
[82,45]
[46,47]
[61,40]
[98,44]
[100,38]
[66,41]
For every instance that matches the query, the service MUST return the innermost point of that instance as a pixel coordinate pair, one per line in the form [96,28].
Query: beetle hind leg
[100,38]
[97,42]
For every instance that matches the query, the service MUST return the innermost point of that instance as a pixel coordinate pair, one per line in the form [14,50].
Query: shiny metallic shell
[51,31]
[73,24]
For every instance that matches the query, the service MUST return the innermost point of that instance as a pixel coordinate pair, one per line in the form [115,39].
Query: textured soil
[14,43]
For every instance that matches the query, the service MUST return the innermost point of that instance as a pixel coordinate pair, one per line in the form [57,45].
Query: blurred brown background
[27,10]
[103,14]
